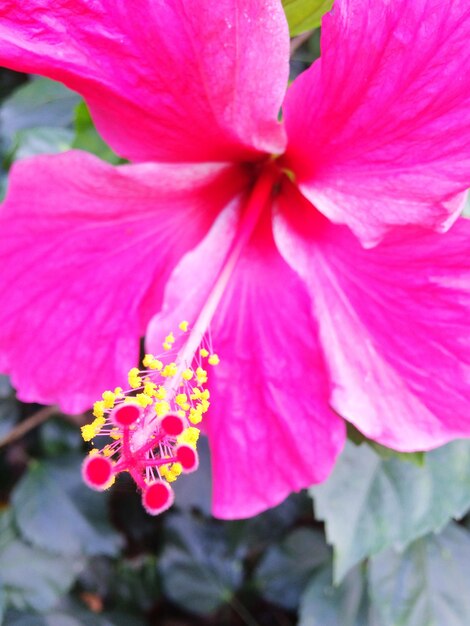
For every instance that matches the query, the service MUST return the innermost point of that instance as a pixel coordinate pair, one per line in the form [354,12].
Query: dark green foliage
[371,503]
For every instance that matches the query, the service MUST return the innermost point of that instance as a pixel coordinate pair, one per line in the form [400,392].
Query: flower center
[151,429]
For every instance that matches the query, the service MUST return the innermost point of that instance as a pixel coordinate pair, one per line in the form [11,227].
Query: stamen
[150,429]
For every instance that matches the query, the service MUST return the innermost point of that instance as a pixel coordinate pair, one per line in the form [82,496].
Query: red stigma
[173,425]
[188,458]
[126,414]
[157,497]
[97,471]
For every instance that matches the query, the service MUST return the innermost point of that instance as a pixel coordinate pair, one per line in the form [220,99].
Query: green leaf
[370,503]
[136,585]
[34,141]
[87,137]
[358,438]
[303,15]
[195,491]
[286,568]
[324,604]
[3,184]
[42,102]
[427,585]
[255,534]
[418,458]
[52,619]
[8,532]
[71,617]
[53,490]
[6,390]
[200,570]
[129,584]
[58,436]
[3,603]
[9,413]
[32,578]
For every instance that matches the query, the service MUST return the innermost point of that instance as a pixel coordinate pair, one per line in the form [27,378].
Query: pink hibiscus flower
[320,272]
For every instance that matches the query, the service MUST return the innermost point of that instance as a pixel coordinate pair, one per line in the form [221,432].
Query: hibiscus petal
[85,250]
[379,128]
[270,427]
[166,81]
[394,324]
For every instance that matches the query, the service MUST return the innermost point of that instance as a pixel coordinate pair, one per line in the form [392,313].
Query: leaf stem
[34,420]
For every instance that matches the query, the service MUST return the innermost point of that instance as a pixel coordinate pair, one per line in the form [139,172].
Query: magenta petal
[379,128]
[167,80]
[85,252]
[270,428]
[394,324]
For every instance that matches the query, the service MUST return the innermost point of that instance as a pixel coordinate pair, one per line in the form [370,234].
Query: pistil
[153,425]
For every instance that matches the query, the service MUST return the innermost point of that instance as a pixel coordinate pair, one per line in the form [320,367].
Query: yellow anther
[203,352]
[129,400]
[151,362]
[187,374]
[99,422]
[169,341]
[181,399]
[204,406]
[184,326]
[195,415]
[118,391]
[197,394]
[171,472]
[150,388]
[88,432]
[93,452]
[162,408]
[160,393]
[134,378]
[181,412]
[167,474]
[148,360]
[189,436]
[109,398]
[115,434]
[213,359]
[143,399]
[98,408]
[169,370]
[201,375]
[176,469]
[106,451]
[193,432]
